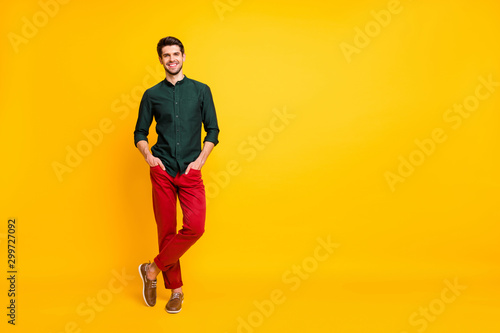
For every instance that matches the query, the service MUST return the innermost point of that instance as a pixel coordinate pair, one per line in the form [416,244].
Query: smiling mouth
[172,65]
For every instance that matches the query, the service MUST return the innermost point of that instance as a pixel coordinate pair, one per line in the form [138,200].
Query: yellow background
[320,174]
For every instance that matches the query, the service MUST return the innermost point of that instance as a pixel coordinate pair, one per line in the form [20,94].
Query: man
[180,107]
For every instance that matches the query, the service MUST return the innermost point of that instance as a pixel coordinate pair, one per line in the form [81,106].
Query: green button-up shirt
[179,111]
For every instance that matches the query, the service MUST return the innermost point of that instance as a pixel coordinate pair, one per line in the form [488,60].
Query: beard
[174,72]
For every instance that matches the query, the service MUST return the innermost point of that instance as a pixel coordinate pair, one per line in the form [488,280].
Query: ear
[184,57]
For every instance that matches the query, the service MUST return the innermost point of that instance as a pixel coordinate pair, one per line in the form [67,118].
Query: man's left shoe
[148,286]
[174,304]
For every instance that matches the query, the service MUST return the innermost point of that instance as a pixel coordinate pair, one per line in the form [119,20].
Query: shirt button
[177,116]
[177,143]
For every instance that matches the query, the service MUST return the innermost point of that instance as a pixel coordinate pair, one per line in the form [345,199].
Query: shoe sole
[143,286]
[174,312]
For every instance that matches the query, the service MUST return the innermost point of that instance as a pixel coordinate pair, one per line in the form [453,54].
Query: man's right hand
[154,161]
[150,159]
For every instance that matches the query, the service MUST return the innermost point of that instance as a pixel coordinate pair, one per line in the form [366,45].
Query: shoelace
[176,295]
[153,282]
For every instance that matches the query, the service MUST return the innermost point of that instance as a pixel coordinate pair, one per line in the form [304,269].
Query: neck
[174,78]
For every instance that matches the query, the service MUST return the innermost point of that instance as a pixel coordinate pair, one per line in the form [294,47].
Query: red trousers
[191,192]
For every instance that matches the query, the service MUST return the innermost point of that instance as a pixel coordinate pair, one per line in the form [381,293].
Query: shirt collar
[181,81]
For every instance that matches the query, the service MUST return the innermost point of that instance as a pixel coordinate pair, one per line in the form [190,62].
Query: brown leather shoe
[149,286]
[174,304]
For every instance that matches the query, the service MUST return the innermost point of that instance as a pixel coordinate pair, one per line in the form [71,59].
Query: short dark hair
[166,41]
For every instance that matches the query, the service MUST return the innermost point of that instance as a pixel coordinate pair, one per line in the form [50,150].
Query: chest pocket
[190,109]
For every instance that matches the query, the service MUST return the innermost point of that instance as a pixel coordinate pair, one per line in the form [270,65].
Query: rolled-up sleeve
[209,118]
[144,120]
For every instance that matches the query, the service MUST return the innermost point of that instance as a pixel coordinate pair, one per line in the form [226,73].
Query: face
[172,59]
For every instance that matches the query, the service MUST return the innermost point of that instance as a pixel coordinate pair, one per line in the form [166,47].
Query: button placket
[177,122]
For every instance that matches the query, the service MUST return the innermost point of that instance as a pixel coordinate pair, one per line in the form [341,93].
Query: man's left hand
[196,165]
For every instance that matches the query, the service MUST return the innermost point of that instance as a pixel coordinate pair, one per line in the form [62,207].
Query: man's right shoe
[174,305]
[149,286]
